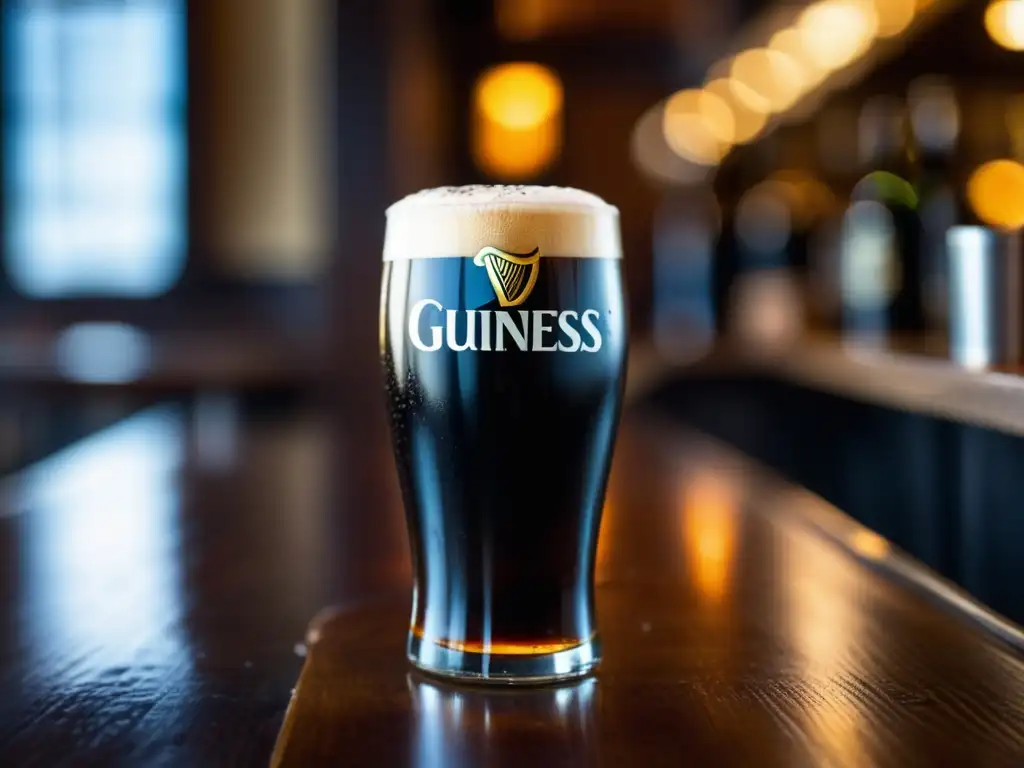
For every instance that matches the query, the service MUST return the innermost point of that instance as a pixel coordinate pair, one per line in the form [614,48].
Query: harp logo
[512,275]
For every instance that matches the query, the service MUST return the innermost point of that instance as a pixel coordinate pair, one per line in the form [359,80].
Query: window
[94,147]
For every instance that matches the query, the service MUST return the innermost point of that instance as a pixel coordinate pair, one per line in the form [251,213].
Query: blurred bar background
[193,193]
[781,168]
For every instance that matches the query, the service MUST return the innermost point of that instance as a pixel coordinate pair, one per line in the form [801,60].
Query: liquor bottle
[935,118]
[759,302]
[838,169]
[883,294]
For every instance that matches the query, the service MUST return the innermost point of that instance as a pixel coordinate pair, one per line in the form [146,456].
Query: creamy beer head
[453,222]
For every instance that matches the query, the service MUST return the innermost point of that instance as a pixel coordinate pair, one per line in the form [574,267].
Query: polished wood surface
[157,582]
[946,492]
[745,623]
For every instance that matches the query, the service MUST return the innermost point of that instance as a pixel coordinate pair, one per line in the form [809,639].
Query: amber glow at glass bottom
[503,662]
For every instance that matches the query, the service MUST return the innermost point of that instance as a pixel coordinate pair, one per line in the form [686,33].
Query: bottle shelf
[911,376]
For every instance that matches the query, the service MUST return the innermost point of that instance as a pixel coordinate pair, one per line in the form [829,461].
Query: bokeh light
[519,95]
[699,126]
[894,16]
[838,31]
[713,110]
[995,192]
[1004,22]
[747,123]
[791,42]
[767,80]
[518,111]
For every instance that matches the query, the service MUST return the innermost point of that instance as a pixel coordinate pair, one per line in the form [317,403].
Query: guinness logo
[512,275]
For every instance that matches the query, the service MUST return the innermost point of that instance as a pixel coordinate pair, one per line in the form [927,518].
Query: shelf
[918,381]
[911,382]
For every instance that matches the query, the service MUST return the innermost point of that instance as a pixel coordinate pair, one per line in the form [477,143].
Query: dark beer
[504,366]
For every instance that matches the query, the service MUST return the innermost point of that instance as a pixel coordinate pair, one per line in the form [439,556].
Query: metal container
[986,311]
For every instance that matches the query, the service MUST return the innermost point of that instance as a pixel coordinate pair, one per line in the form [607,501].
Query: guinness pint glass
[503,338]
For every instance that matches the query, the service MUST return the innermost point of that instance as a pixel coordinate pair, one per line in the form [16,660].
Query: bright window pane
[94,142]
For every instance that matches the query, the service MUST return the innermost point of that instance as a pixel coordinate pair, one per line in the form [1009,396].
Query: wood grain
[158,578]
[735,632]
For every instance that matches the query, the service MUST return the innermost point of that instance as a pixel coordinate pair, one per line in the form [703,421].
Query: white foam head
[452,222]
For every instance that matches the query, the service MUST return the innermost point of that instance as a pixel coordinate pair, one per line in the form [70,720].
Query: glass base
[504,669]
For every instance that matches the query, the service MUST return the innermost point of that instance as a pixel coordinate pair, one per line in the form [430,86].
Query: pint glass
[503,336]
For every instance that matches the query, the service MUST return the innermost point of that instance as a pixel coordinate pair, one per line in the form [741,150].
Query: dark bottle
[838,169]
[808,255]
[883,297]
[935,117]
[758,269]
[724,270]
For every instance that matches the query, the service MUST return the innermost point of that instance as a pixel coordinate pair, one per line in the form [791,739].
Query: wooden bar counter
[157,582]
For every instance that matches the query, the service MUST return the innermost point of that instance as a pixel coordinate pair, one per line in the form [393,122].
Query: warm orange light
[710,520]
[767,80]
[1004,22]
[699,126]
[869,544]
[838,31]
[996,193]
[519,95]
[742,73]
[791,42]
[747,122]
[894,16]
[711,108]
[517,116]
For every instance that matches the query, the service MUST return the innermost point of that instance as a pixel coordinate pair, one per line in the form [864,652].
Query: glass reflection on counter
[455,725]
